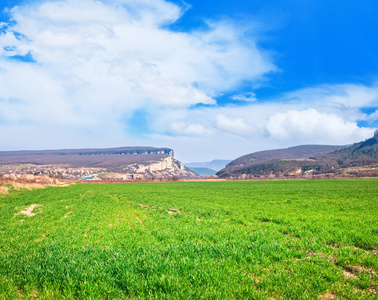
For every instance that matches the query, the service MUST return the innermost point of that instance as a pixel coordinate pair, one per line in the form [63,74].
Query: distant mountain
[203,171]
[216,164]
[307,161]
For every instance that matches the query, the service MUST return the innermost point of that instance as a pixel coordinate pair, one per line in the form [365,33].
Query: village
[46,173]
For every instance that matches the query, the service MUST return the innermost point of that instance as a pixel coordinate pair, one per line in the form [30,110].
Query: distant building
[89,178]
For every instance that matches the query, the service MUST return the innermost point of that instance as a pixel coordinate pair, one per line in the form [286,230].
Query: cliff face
[125,163]
[166,168]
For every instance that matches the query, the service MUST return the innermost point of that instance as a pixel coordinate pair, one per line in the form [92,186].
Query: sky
[210,79]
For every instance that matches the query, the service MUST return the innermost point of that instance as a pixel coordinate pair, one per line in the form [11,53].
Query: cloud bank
[310,125]
[74,73]
[320,115]
[97,62]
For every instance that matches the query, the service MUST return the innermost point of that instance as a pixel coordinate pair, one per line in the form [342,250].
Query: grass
[191,240]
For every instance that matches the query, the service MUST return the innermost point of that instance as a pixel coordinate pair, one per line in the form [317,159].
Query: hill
[359,159]
[297,152]
[131,162]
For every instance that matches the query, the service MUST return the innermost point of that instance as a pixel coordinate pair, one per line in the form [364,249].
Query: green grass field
[302,239]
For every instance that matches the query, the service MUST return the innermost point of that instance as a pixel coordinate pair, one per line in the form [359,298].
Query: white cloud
[311,125]
[248,97]
[337,96]
[237,126]
[231,130]
[194,124]
[373,116]
[97,62]
[189,129]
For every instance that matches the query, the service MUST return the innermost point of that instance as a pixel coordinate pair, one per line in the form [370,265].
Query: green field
[303,239]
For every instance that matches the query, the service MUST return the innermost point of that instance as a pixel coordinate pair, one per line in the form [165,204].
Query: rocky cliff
[126,163]
[166,168]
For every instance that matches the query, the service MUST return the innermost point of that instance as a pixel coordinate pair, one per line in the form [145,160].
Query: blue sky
[211,79]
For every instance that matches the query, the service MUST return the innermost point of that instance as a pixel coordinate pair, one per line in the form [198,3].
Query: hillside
[131,162]
[297,152]
[360,159]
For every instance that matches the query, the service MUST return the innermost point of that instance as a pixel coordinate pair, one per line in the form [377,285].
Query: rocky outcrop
[166,168]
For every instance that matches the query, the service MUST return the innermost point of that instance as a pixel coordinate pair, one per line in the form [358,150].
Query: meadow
[305,239]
